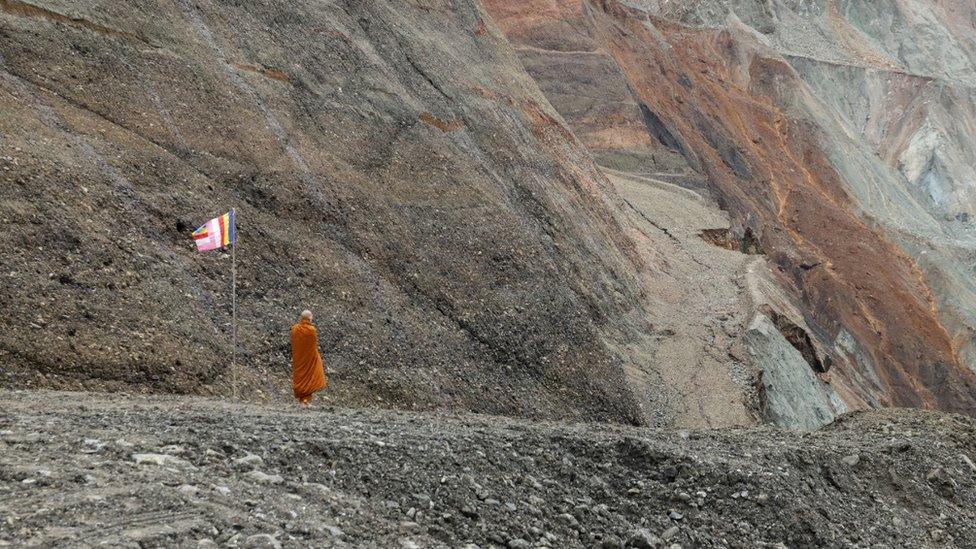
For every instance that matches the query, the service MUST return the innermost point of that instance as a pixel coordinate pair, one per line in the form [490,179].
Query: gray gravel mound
[85,469]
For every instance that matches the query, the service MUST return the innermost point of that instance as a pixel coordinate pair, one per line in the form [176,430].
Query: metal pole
[233,306]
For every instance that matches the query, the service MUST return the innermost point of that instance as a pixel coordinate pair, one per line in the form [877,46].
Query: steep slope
[393,169]
[835,133]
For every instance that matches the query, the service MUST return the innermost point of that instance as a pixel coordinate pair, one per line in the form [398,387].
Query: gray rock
[518,543]
[162,460]
[409,527]
[333,530]
[851,460]
[568,518]
[644,539]
[188,490]
[264,478]
[261,541]
[969,462]
[250,460]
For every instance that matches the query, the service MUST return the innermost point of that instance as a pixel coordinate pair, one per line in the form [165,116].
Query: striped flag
[216,233]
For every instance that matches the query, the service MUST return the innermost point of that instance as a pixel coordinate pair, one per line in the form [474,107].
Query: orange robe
[307,373]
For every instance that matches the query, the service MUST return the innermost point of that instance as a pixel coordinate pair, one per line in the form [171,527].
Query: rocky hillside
[685,214]
[393,169]
[836,133]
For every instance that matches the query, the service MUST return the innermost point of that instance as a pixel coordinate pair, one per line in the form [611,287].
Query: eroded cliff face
[838,133]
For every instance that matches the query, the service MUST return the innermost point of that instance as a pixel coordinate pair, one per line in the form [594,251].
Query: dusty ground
[85,469]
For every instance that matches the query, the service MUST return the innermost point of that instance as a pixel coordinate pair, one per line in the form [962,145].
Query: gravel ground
[84,469]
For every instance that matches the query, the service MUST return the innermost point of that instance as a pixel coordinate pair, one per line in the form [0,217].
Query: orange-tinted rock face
[739,114]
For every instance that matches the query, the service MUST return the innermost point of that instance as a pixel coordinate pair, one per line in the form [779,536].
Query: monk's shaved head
[306,314]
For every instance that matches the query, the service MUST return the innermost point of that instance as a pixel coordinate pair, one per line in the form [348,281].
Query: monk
[307,374]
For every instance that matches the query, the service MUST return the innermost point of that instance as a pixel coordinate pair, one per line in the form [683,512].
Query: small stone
[568,518]
[409,527]
[675,515]
[851,460]
[262,541]
[250,460]
[222,490]
[469,512]
[968,461]
[644,539]
[161,460]
[670,533]
[684,497]
[518,543]
[334,531]
[492,502]
[264,478]
[188,489]
[206,543]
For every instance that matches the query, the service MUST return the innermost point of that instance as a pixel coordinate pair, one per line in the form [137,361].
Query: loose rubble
[189,471]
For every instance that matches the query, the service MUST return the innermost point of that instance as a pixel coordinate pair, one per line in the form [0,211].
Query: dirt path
[81,469]
[700,308]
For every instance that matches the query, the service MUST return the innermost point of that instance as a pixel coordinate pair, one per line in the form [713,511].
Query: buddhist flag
[216,233]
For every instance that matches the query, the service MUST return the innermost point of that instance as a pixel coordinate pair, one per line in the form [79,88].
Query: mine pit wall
[746,120]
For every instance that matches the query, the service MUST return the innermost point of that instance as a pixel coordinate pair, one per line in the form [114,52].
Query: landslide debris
[80,469]
[839,132]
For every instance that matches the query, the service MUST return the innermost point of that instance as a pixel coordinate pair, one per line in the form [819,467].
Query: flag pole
[233,306]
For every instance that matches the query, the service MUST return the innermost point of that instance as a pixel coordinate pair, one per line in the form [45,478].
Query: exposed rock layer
[825,129]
